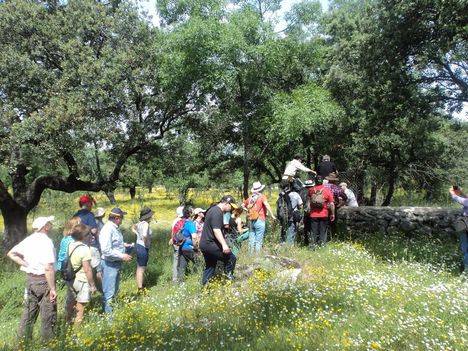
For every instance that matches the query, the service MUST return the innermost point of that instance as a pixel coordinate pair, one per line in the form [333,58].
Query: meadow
[369,292]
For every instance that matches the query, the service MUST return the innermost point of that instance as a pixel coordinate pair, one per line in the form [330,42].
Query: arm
[269,210]
[17,258]
[332,211]
[461,200]
[89,274]
[239,225]
[50,277]
[301,167]
[219,236]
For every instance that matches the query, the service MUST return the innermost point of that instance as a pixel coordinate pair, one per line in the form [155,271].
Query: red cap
[85,199]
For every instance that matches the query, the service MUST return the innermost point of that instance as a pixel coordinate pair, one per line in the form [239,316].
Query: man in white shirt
[351,201]
[293,166]
[36,256]
[113,251]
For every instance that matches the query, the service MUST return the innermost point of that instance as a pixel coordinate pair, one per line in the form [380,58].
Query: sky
[149,6]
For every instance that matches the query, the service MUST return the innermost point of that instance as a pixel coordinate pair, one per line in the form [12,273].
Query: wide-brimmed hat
[332,177]
[309,183]
[257,187]
[40,222]
[145,213]
[117,212]
[100,212]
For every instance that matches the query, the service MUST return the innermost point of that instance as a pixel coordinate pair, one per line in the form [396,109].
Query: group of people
[313,203]
[218,232]
[89,259]
[91,252]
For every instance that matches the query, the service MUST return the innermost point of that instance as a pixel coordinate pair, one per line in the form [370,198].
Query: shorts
[96,259]
[141,255]
[82,292]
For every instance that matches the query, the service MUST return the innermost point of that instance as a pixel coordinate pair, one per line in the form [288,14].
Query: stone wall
[417,220]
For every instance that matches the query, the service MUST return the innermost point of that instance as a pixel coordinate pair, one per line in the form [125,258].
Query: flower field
[346,296]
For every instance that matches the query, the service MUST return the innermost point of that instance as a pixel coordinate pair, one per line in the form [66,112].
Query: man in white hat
[258,208]
[36,256]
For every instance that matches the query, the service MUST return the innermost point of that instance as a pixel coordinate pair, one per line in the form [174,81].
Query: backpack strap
[70,255]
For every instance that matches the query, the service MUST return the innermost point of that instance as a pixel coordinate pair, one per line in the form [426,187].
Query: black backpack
[67,271]
[284,210]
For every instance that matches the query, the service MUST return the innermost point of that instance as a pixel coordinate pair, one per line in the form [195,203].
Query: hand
[128,245]
[94,231]
[126,257]
[171,242]
[274,218]
[226,250]
[53,295]
[92,289]
[332,218]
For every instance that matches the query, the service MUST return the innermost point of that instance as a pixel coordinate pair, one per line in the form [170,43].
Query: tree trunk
[391,189]
[132,192]
[360,183]
[373,194]
[15,218]
[110,195]
[150,189]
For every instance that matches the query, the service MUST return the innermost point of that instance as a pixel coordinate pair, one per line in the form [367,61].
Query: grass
[361,293]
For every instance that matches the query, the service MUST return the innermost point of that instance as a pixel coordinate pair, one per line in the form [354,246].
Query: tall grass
[369,292]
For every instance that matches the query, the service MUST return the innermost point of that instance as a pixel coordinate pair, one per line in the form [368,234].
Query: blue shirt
[112,242]
[63,251]
[188,229]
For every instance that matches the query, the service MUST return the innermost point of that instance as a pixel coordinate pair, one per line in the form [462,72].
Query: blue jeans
[291,233]
[464,249]
[110,283]
[257,232]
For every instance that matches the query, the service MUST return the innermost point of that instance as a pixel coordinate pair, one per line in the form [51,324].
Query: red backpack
[177,235]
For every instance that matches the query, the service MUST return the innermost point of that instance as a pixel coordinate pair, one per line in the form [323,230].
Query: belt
[36,277]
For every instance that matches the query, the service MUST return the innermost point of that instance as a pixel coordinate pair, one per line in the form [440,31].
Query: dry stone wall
[417,220]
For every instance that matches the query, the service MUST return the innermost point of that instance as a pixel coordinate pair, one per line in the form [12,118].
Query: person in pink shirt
[322,208]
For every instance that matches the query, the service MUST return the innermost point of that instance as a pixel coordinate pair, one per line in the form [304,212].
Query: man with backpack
[321,205]
[289,213]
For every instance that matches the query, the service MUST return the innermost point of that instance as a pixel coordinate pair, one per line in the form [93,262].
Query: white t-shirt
[38,251]
[143,230]
[292,167]
[296,200]
[352,202]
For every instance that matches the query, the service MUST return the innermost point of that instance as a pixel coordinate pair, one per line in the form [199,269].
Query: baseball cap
[117,212]
[40,222]
[228,199]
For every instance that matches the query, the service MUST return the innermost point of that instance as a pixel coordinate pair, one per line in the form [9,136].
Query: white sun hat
[257,187]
